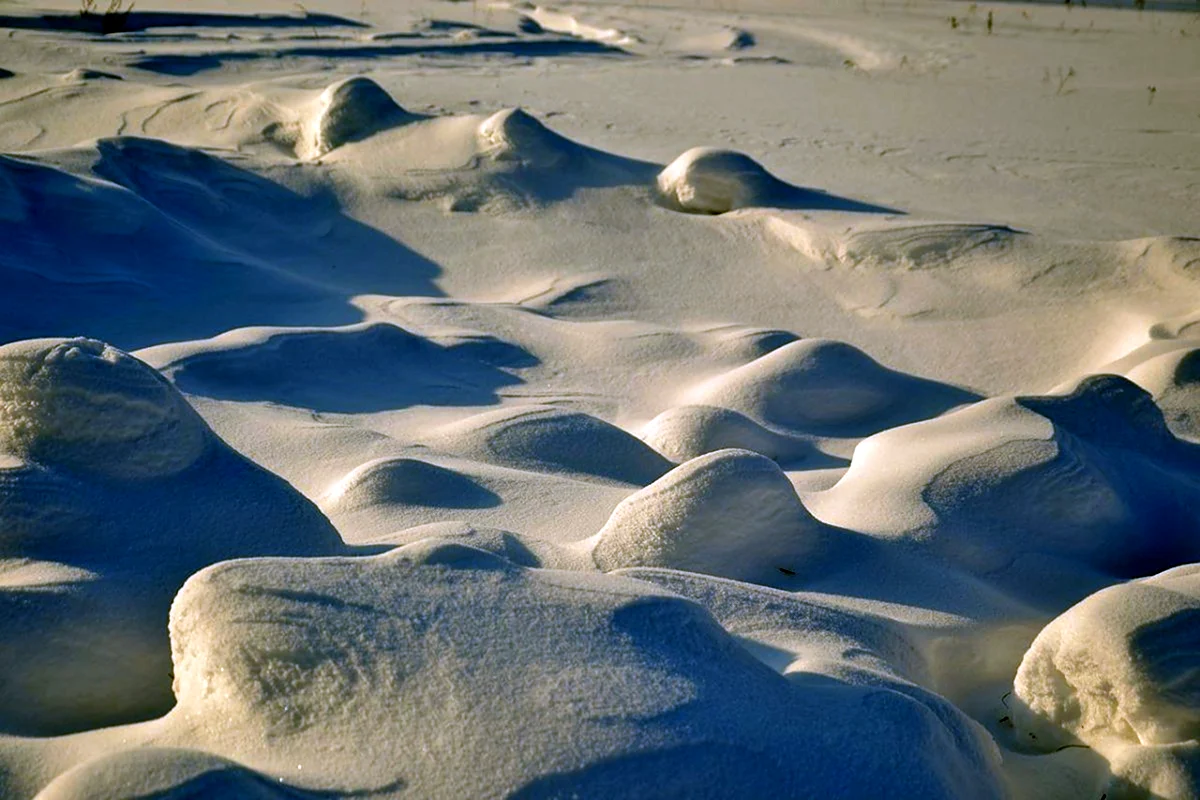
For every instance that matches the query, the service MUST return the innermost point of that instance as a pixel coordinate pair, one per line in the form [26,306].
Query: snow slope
[718,399]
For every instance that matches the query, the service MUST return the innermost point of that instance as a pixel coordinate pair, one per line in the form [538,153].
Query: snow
[93,409]
[1114,673]
[569,682]
[351,110]
[731,513]
[705,180]
[112,491]
[599,399]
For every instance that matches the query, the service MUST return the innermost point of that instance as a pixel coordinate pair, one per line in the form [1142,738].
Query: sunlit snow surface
[698,400]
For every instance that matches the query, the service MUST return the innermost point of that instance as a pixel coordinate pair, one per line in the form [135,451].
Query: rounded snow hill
[1174,381]
[902,244]
[493,163]
[731,513]
[1092,479]
[707,180]
[687,432]
[715,40]
[826,387]
[83,405]
[405,481]
[525,162]
[1121,665]
[520,550]
[105,467]
[546,439]
[172,244]
[423,666]
[350,110]
[1118,673]
[513,135]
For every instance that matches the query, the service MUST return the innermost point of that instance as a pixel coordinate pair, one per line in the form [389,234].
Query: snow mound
[1121,665]
[104,467]
[1181,326]
[425,665]
[731,513]
[350,110]
[1093,479]
[925,246]
[721,39]
[1174,381]
[708,180]
[520,550]
[686,432]
[502,162]
[1112,411]
[514,135]
[88,407]
[704,40]
[545,439]
[405,481]
[800,632]
[829,387]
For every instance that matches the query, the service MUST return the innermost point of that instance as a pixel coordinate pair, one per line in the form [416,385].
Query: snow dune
[598,400]
[114,491]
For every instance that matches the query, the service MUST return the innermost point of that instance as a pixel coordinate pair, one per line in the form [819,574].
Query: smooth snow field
[647,399]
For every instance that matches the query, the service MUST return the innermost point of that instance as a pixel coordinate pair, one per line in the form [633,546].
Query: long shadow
[182,65]
[364,369]
[575,166]
[712,769]
[798,198]
[785,197]
[174,244]
[769,191]
[137,21]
